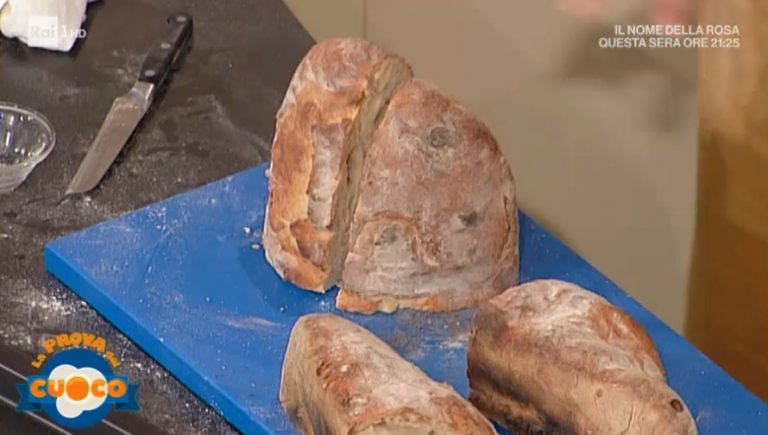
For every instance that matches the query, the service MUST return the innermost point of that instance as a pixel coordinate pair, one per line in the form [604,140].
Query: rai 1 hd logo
[46,31]
[76,385]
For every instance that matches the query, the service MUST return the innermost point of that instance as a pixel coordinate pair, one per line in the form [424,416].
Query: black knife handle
[166,54]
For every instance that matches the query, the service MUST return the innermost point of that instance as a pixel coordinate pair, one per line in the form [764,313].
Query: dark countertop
[216,118]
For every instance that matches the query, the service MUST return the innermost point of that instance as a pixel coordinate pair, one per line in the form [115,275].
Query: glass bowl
[26,139]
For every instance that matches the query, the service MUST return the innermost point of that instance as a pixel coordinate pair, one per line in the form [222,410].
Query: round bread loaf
[436,222]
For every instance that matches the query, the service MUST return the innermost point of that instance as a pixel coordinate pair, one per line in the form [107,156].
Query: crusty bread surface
[323,128]
[549,357]
[436,224]
[340,379]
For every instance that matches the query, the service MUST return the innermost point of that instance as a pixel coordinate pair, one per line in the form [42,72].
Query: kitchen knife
[127,110]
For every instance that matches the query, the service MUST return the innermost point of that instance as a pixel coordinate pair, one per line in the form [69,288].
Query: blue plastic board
[187,280]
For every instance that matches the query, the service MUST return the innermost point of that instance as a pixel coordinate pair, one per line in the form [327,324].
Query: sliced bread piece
[436,222]
[549,357]
[340,379]
[324,126]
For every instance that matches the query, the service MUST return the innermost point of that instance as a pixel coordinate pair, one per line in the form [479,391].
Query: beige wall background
[602,142]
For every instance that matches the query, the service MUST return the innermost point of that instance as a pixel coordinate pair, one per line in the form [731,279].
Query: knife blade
[128,110]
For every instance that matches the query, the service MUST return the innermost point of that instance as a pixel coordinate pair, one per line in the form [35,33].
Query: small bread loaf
[436,223]
[323,128]
[549,357]
[340,379]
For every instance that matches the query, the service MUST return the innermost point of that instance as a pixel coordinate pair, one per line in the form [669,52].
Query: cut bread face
[550,357]
[436,224]
[339,378]
[383,83]
[324,127]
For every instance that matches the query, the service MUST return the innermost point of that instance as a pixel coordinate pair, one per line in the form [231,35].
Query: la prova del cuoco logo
[77,386]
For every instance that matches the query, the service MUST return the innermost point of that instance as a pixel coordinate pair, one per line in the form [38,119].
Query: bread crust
[436,224]
[550,357]
[313,140]
[338,378]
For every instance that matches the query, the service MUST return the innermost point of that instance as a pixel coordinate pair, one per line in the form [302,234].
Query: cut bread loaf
[340,379]
[324,125]
[549,357]
[409,202]
[436,223]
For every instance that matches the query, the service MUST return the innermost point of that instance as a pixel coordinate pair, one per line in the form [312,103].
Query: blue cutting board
[187,280]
